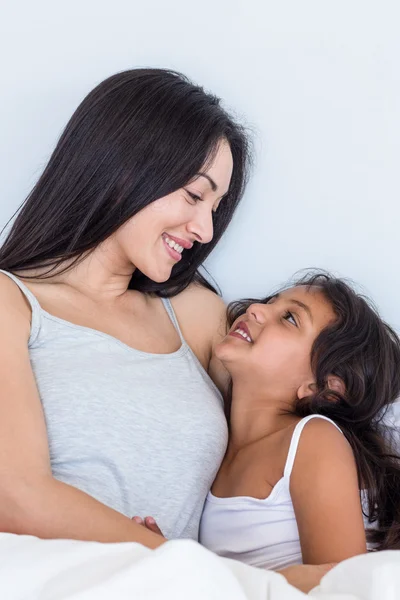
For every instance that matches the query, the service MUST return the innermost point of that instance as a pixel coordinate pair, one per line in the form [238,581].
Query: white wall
[318,81]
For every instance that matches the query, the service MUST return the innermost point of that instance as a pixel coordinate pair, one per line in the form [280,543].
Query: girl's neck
[254,417]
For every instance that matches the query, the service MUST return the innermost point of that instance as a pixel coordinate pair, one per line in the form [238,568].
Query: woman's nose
[202,225]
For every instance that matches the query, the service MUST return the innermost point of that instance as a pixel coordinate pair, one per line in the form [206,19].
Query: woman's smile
[175,246]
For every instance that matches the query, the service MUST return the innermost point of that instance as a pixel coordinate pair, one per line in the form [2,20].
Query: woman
[107,405]
[107,408]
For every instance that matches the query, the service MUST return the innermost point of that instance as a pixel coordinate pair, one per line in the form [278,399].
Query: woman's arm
[31,500]
[325,494]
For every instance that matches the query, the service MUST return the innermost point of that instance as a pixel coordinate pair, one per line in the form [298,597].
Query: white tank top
[261,533]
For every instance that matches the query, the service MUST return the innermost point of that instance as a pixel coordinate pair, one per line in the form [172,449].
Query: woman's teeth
[173,245]
[243,334]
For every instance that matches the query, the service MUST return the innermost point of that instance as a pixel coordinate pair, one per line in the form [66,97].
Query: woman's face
[155,238]
[270,345]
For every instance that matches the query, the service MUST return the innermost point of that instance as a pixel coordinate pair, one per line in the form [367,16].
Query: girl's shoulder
[320,451]
[314,429]
[325,492]
[320,434]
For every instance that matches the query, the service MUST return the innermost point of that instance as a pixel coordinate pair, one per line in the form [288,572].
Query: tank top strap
[171,313]
[33,302]
[294,443]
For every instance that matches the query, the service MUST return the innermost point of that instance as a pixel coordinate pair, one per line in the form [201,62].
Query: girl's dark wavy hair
[138,136]
[364,352]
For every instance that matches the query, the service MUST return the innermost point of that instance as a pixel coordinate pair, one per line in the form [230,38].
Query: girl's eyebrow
[297,302]
[304,307]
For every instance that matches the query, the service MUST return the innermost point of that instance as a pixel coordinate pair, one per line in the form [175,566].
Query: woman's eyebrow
[214,186]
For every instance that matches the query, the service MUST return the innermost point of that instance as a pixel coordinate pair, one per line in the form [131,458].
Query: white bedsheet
[33,569]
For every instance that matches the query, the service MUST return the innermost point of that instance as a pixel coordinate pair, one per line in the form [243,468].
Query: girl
[313,369]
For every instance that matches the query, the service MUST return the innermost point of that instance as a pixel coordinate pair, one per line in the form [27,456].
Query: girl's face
[269,347]
[153,240]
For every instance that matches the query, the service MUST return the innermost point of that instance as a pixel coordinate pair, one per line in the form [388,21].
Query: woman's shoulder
[14,306]
[10,293]
[202,317]
[200,292]
[201,306]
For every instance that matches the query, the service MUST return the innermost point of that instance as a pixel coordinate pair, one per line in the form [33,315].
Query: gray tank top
[143,433]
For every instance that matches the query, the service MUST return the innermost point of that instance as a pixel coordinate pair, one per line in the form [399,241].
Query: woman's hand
[305,577]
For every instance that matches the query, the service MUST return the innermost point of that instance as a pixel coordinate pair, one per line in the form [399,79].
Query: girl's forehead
[306,292]
[313,299]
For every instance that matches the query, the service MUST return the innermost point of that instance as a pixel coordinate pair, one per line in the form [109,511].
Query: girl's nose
[257,312]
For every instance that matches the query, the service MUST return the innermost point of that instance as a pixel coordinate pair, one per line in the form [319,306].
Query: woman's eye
[288,316]
[193,197]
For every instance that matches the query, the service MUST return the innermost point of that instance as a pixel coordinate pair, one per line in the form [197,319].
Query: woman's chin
[158,276]
[161,278]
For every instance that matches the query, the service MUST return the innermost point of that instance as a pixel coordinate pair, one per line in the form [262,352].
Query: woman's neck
[99,274]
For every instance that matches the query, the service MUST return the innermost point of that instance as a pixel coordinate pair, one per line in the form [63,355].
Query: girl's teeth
[173,245]
[243,334]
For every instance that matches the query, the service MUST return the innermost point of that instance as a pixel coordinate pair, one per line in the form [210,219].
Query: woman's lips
[177,256]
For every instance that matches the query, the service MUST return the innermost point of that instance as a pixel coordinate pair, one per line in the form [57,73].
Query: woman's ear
[336,384]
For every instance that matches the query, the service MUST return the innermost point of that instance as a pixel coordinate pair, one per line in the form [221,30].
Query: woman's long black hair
[364,352]
[138,136]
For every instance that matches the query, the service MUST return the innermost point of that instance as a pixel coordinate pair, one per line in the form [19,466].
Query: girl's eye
[194,198]
[288,316]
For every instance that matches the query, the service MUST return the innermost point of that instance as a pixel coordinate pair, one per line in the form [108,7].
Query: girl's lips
[241,325]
